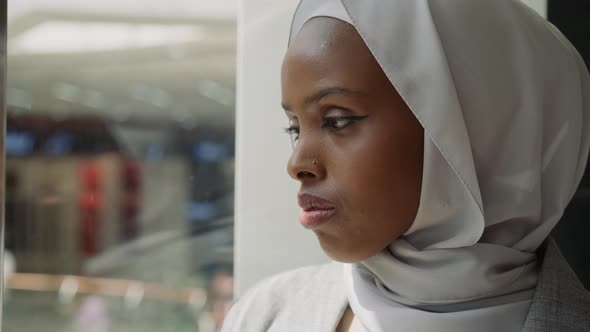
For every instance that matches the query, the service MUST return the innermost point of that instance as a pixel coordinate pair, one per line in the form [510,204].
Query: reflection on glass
[119,175]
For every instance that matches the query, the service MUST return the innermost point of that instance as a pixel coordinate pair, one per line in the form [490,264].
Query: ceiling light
[73,37]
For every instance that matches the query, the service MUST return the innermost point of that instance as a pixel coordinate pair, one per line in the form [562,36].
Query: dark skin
[345,115]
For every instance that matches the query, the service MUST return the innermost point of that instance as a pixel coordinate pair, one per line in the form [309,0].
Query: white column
[269,238]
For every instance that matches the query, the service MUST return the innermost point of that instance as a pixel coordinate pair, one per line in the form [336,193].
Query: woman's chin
[351,249]
[346,254]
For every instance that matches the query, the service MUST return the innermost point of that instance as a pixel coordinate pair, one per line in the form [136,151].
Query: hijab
[503,99]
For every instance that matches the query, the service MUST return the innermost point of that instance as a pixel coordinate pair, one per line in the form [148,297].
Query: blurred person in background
[220,296]
[92,316]
[437,144]
[220,293]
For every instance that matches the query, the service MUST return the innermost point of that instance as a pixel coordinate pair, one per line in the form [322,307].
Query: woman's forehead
[327,48]
[321,34]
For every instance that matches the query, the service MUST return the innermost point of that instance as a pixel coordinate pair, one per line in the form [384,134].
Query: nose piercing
[314,162]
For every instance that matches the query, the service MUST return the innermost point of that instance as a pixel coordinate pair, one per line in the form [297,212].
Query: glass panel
[119,173]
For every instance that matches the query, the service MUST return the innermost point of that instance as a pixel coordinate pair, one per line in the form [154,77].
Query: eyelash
[327,123]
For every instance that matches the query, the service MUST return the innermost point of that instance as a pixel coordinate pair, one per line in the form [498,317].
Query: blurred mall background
[120,154]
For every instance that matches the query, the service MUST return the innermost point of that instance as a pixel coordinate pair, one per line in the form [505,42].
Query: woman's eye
[331,124]
[293,132]
[340,122]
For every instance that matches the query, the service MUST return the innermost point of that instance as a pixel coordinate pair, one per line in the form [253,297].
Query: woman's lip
[316,210]
[311,202]
[313,218]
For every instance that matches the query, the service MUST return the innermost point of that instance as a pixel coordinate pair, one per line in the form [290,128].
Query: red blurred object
[90,176]
[89,228]
[91,204]
[131,174]
[91,201]
[131,201]
[131,180]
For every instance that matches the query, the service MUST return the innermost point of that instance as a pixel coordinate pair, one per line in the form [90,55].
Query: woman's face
[357,147]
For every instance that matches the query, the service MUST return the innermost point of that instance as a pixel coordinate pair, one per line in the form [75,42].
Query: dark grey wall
[572,17]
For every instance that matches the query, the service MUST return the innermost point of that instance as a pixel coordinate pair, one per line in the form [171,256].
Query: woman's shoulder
[561,302]
[288,296]
[292,284]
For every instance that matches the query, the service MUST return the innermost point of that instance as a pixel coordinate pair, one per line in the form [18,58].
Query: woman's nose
[304,164]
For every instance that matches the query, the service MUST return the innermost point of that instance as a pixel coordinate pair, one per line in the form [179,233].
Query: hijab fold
[503,99]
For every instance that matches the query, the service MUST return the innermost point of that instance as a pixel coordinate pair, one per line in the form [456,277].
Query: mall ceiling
[155,61]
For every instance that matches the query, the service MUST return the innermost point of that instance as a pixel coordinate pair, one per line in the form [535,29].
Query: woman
[437,143]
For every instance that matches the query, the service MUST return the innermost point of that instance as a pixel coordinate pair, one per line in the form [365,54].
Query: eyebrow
[333,90]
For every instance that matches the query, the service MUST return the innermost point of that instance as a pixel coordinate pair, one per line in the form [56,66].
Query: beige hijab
[503,98]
